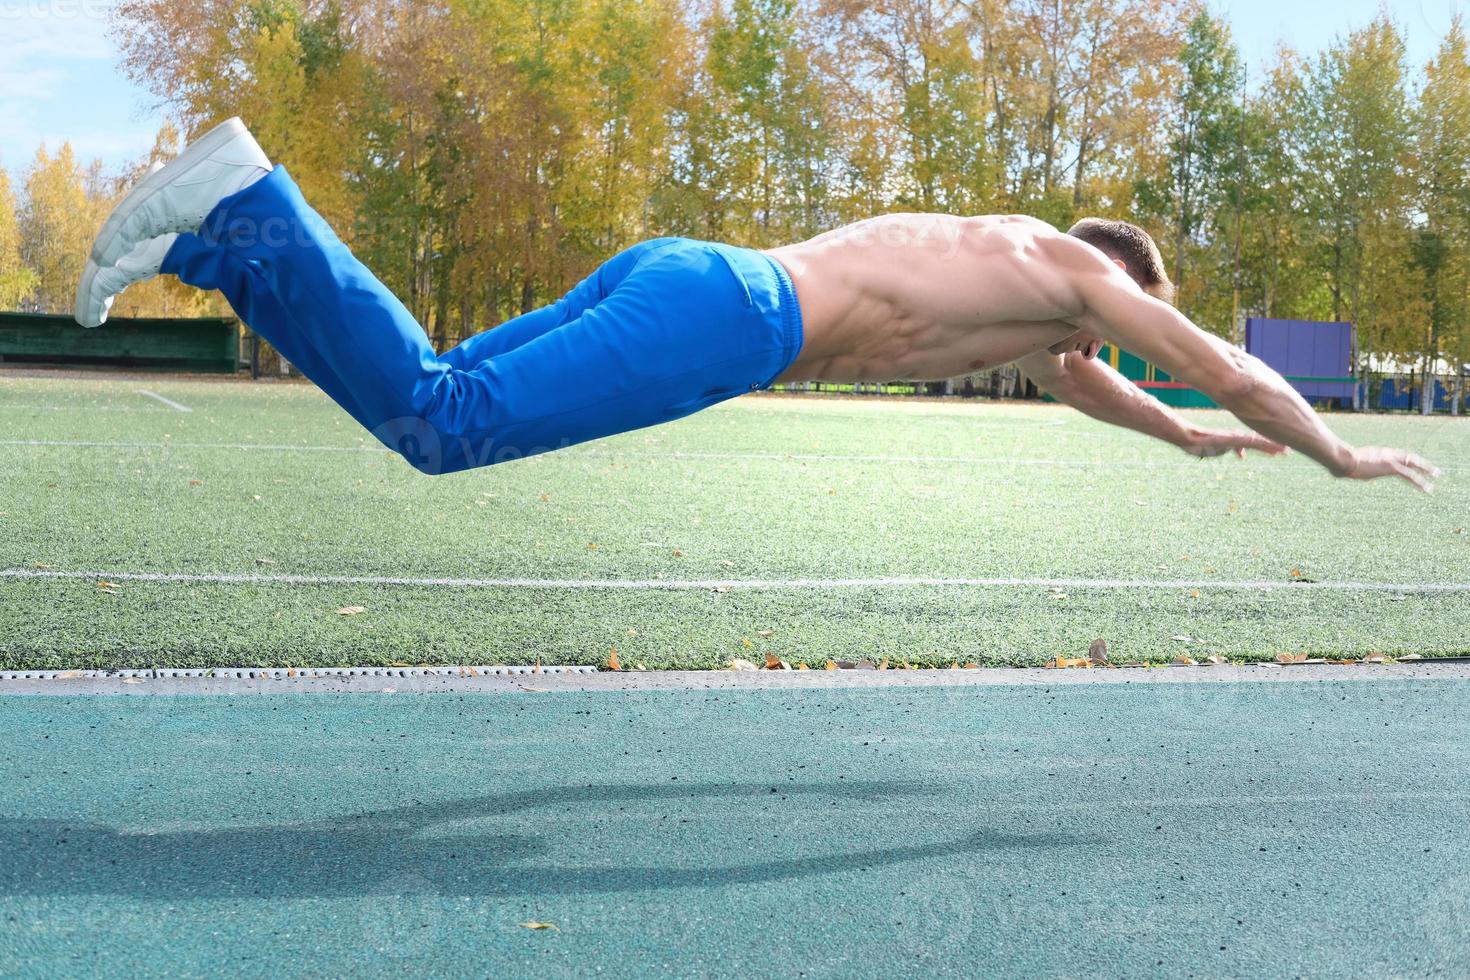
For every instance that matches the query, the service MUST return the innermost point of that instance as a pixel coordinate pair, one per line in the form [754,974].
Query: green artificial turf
[771,488]
[1256,830]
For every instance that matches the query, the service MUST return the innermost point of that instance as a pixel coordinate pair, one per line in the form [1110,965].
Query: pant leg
[527,327]
[206,267]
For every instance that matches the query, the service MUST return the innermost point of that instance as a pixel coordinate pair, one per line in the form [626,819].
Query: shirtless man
[671,326]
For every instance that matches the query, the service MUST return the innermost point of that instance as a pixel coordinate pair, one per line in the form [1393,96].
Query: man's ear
[1119,264]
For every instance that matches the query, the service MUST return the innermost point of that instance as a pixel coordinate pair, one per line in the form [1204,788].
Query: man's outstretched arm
[1121,313]
[1094,388]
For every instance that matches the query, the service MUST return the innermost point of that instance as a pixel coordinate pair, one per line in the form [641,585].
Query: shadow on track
[352,855]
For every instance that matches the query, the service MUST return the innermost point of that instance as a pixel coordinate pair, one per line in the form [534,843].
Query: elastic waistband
[772,290]
[791,326]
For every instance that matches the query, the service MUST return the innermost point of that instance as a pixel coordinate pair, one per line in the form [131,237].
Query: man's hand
[1371,462]
[1205,443]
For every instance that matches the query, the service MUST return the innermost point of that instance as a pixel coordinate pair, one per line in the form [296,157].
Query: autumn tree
[17,280]
[57,222]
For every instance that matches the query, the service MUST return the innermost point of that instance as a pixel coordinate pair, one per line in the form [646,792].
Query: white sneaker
[178,197]
[101,284]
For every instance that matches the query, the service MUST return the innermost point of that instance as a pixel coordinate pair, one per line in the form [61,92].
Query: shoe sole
[84,293]
[194,154]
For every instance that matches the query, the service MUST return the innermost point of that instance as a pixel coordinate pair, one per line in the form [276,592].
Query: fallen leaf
[539,925]
[830,665]
[1184,662]
[632,632]
[1412,656]
[265,561]
[1296,573]
[40,564]
[1098,651]
[738,664]
[727,563]
[104,584]
[972,665]
[765,634]
[677,553]
[639,667]
[591,545]
[196,483]
[774,662]
[1291,658]
[351,610]
[545,497]
[802,667]
[1181,638]
[1375,658]
[745,642]
[883,665]
[612,660]
[1216,660]
[1194,593]
[721,589]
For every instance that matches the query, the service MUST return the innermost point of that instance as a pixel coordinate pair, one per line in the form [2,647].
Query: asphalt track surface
[1309,827]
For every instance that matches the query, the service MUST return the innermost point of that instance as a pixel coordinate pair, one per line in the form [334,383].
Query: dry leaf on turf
[351,610]
[830,665]
[1291,658]
[765,634]
[539,925]
[883,664]
[1216,660]
[1296,573]
[1375,658]
[972,665]
[1184,662]
[802,667]
[1098,651]
[738,664]
[745,642]
[1194,593]
[265,561]
[612,660]
[774,662]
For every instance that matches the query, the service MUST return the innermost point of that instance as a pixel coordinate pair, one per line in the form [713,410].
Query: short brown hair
[1132,246]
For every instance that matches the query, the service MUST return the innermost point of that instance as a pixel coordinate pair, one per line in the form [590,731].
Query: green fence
[209,344]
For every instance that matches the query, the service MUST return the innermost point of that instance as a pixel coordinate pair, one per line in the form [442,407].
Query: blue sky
[60,77]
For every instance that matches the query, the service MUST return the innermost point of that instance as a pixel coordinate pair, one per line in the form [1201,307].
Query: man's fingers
[1408,472]
[1423,465]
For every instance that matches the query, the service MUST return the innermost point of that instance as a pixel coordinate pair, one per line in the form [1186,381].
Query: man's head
[1132,248]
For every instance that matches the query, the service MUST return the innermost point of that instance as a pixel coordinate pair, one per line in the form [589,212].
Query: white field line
[167,401]
[657,584]
[627,454]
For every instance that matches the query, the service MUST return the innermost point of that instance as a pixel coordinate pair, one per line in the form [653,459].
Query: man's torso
[924,296]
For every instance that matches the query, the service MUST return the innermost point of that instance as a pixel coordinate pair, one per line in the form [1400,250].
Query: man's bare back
[927,296]
[924,296]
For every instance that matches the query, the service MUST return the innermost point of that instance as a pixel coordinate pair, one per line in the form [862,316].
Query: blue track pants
[661,330]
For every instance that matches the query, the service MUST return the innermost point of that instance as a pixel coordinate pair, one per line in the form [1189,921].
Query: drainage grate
[289,673]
